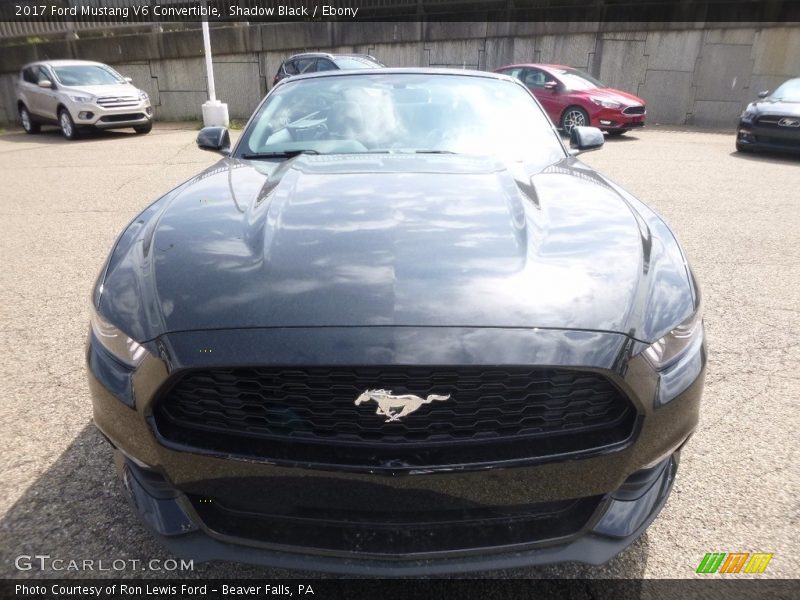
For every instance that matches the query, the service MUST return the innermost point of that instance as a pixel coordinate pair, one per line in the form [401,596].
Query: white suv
[75,94]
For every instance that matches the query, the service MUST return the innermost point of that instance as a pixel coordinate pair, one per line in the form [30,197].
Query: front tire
[67,125]
[27,121]
[142,129]
[574,116]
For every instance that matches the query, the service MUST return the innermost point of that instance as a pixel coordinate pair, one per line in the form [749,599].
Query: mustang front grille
[309,414]
[368,530]
[783,122]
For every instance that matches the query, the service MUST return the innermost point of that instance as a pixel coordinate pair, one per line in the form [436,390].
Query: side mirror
[551,85]
[763,94]
[45,83]
[215,139]
[128,79]
[585,139]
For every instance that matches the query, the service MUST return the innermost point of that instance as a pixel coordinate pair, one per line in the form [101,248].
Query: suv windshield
[398,112]
[788,92]
[87,75]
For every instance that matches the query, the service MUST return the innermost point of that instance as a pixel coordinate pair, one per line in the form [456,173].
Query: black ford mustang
[398,329]
[773,122]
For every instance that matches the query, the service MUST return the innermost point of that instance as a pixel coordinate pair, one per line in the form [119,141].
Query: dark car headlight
[121,346]
[678,358]
[669,349]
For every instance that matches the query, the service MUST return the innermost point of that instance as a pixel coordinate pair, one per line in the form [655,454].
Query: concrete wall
[687,73]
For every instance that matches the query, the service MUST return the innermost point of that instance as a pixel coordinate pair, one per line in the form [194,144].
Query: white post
[212,92]
[215,113]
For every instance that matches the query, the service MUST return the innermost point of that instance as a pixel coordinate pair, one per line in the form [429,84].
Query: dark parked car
[313,62]
[573,98]
[398,329]
[773,121]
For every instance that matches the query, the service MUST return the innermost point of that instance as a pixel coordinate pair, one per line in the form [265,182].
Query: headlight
[606,103]
[669,349]
[748,113]
[81,98]
[143,95]
[121,346]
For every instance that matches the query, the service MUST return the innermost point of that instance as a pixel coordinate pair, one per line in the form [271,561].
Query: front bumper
[91,114]
[618,521]
[209,506]
[776,139]
[608,118]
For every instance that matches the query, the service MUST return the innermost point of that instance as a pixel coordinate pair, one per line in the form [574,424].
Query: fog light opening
[85,115]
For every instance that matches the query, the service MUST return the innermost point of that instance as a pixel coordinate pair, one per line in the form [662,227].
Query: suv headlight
[79,98]
[606,103]
[670,348]
[117,342]
[143,95]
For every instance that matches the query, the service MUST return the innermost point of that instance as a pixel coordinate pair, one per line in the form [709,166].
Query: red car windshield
[577,80]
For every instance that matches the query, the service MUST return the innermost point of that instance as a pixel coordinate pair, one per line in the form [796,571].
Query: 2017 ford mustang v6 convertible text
[398,329]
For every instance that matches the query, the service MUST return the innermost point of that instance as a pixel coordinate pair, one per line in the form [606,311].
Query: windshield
[404,113]
[353,62]
[577,80]
[87,75]
[788,92]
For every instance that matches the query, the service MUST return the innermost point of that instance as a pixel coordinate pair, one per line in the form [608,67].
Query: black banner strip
[728,588]
[270,11]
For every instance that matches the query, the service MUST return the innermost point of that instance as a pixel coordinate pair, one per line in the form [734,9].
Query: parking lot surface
[738,216]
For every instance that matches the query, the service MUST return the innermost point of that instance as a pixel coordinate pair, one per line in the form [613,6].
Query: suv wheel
[27,121]
[144,128]
[67,125]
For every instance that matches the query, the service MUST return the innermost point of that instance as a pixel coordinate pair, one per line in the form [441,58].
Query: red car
[572,97]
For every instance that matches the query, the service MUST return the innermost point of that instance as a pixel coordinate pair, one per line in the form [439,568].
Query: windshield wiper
[284,154]
[435,152]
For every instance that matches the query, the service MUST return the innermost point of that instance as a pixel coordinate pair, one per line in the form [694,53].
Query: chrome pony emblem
[394,407]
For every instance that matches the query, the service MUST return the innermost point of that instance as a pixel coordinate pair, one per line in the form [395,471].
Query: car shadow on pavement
[75,510]
[765,156]
[52,135]
[609,139]
[625,137]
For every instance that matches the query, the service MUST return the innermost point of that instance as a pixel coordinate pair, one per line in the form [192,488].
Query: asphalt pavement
[62,205]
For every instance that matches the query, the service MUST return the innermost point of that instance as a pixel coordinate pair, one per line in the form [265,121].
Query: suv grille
[117,101]
[493,413]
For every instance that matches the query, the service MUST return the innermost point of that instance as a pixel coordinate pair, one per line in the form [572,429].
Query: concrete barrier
[687,72]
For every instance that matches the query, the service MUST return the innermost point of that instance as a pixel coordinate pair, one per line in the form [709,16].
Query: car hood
[385,240]
[99,91]
[777,107]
